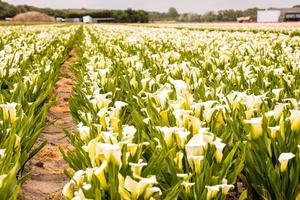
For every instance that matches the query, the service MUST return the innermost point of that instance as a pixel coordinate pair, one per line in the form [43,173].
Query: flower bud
[178,159]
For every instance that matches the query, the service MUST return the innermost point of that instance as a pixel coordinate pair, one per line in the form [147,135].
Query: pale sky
[199,6]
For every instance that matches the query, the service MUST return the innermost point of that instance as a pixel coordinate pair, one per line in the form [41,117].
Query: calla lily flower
[225,188]
[121,188]
[167,134]
[100,101]
[9,112]
[120,104]
[284,159]
[128,132]
[187,186]
[150,192]
[132,148]
[277,112]
[162,96]
[181,136]
[2,153]
[195,124]
[212,191]
[274,130]
[196,145]
[178,159]
[100,174]
[183,176]
[136,168]
[277,93]
[111,152]
[256,127]
[115,124]
[86,186]
[295,120]
[84,131]
[180,86]
[138,188]
[79,177]
[68,190]
[195,163]
[219,152]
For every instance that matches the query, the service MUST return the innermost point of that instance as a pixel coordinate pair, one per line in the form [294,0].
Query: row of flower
[29,67]
[182,114]
[284,28]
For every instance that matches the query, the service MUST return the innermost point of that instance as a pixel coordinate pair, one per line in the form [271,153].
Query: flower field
[29,67]
[161,113]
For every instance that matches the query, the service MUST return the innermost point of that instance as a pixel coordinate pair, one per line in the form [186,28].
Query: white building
[279,15]
[87,19]
[60,19]
[77,19]
[73,20]
[268,15]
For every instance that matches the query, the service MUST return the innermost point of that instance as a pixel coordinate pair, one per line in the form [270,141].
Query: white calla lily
[284,159]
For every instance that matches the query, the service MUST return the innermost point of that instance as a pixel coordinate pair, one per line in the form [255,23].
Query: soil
[48,165]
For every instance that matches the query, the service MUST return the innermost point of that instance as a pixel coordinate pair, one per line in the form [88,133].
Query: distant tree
[296,6]
[121,16]
[209,16]
[183,17]
[229,15]
[143,16]
[192,17]
[252,12]
[173,13]
[132,15]
[157,16]
[7,10]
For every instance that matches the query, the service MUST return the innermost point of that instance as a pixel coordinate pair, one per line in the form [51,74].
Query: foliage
[182,114]
[172,12]
[229,15]
[30,66]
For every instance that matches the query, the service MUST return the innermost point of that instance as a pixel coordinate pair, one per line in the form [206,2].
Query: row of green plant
[31,66]
[183,114]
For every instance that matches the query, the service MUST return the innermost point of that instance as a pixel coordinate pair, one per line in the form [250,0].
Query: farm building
[268,16]
[290,14]
[103,20]
[87,19]
[59,19]
[279,15]
[76,20]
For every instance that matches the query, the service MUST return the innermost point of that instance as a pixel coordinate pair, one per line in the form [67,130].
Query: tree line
[129,16]
[228,15]
[133,16]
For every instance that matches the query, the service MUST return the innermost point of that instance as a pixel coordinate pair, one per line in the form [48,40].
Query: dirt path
[48,165]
